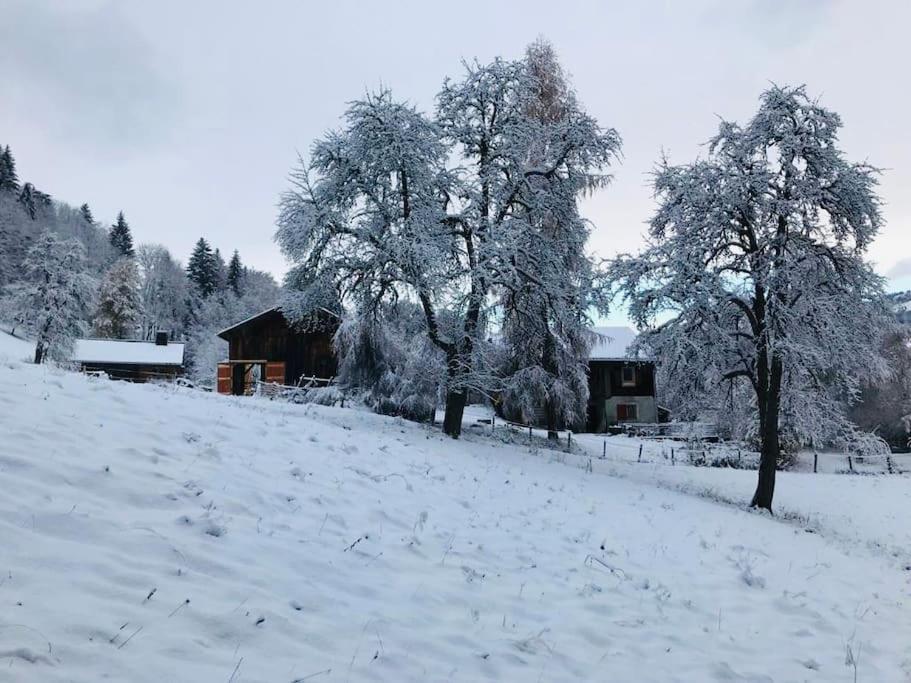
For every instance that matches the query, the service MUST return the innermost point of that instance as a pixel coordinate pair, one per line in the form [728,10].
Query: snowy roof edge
[277,307]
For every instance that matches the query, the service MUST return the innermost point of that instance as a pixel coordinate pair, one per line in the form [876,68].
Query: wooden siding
[605,379]
[269,337]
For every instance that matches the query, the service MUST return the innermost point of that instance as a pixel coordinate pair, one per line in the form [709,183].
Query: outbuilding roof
[224,334]
[127,352]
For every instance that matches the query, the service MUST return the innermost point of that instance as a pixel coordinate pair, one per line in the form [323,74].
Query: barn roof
[612,343]
[261,314]
[127,352]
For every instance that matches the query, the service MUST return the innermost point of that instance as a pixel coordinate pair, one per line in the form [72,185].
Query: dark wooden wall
[135,372]
[270,338]
[605,379]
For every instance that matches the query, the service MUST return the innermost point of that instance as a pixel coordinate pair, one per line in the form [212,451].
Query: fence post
[672,456]
[889,464]
[639,459]
[815,461]
[604,450]
[493,422]
[850,464]
[529,432]
[569,441]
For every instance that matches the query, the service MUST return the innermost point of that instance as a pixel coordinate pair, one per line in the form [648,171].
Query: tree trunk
[771,449]
[455,408]
[39,353]
[549,363]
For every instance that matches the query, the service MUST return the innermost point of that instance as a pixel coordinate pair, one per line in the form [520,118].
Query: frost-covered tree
[86,213]
[119,304]
[757,252]
[121,237]
[9,180]
[202,269]
[546,309]
[33,200]
[53,300]
[378,216]
[162,292]
[389,359]
[235,273]
[221,272]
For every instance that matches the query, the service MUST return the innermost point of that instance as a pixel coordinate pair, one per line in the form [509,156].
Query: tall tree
[87,214]
[54,298]
[221,271]
[162,292]
[9,181]
[202,269]
[118,301]
[378,216]
[546,317]
[235,273]
[33,200]
[759,251]
[121,238]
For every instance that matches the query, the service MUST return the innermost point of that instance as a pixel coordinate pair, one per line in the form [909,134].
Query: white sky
[188,115]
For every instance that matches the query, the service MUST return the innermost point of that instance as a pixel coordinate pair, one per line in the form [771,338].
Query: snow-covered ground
[157,534]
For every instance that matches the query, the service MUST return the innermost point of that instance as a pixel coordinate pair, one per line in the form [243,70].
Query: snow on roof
[127,352]
[612,344]
[222,333]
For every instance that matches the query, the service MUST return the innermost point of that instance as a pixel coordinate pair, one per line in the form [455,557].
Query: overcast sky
[189,115]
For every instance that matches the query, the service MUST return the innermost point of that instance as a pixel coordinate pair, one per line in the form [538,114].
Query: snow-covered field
[158,534]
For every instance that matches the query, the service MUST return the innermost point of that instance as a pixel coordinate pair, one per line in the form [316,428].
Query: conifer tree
[221,272]
[202,270]
[8,179]
[121,239]
[118,301]
[87,214]
[235,273]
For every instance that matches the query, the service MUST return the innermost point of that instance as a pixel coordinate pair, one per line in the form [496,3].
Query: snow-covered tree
[202,269]
[757,252]
[9,180]
[162,292]
[119,304]
[53,300]
[33,200]
[121,238]
[377,216]
[388,358]
[546,317]
[86,213]
[235,273]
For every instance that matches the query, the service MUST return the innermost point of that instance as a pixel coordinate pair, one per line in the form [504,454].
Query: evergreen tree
[202,270]
[87,214]
[221,272]
[118,301]
[8,179]
[235,273]
[53,300]
[121,239]
[28,200]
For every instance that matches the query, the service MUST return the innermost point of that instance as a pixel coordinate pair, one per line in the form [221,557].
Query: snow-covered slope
[157,534]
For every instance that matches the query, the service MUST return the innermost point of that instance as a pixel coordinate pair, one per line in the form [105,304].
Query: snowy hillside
[158,534]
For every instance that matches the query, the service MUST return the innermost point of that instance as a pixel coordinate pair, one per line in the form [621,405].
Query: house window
[627,411]
[628,376]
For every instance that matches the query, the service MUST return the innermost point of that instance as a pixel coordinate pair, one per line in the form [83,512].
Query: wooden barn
[267,348]
[621,387]
[132,360]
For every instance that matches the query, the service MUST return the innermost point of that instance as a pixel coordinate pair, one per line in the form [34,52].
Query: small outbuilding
[133,360]
[268,348]
[621,386]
